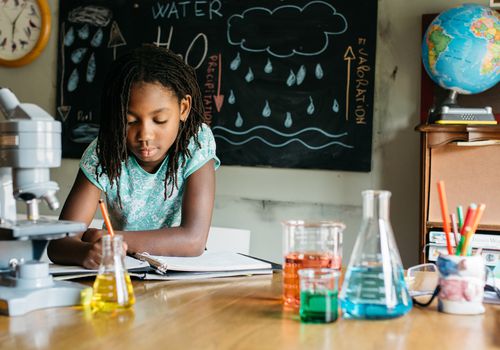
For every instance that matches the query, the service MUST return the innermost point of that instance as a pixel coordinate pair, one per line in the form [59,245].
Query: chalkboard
[285,84]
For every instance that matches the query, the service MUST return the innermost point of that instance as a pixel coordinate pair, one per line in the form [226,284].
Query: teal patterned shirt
[142,194]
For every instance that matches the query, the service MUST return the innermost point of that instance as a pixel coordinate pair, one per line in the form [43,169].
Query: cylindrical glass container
[308,244]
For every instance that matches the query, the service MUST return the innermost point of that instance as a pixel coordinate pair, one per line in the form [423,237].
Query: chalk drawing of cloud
[286,30]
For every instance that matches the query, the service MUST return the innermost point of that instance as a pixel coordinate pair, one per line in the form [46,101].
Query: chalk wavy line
[278,132]
[284,143]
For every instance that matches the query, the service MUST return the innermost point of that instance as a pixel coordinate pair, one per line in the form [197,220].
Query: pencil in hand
[105,216]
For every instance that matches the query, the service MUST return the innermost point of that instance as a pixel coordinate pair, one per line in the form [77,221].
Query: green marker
[460,215]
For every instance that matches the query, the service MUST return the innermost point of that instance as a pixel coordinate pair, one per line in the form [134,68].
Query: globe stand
[450,113]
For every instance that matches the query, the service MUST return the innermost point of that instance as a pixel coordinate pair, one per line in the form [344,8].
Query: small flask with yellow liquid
[112,287]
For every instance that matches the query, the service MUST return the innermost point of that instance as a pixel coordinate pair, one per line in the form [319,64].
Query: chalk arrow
[219,99]
[64,112]
[348,56]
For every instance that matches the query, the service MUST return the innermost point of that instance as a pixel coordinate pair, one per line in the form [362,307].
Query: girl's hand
[93,257]
[92,235]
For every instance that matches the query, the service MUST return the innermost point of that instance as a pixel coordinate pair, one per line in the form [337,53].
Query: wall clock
[24,30]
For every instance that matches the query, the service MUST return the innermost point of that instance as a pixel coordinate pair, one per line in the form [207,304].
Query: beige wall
[259,198]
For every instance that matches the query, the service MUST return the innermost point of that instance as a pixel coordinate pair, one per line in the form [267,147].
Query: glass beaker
[374,286]
[318,295]
[308,244]
[112,287]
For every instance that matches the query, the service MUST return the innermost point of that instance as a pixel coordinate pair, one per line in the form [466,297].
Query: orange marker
[444,214]
[105,216]
[475,224]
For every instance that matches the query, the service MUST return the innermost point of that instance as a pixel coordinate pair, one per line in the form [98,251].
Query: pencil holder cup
[461,283]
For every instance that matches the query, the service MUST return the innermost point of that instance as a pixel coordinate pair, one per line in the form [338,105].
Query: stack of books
[489,243]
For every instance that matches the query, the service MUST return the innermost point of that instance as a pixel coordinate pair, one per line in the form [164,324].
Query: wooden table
[237,313]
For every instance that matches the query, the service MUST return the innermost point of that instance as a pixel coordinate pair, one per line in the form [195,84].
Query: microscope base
[35,289]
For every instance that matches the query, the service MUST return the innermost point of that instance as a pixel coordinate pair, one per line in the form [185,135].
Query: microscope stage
[43,228]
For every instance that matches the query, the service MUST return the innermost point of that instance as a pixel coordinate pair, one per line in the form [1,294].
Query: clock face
[23,23]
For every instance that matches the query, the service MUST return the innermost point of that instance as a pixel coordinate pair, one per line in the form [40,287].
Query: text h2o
[200,40]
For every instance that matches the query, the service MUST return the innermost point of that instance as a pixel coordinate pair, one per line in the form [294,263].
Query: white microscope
[30,144]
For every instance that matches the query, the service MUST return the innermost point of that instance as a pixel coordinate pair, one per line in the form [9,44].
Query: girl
[154,159]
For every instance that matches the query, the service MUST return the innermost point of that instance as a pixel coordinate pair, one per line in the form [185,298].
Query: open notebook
[152,267]
[207,262]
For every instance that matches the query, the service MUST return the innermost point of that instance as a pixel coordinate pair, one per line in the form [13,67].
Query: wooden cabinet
[467,158]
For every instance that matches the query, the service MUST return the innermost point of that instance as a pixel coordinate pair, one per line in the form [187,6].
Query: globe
[461,49]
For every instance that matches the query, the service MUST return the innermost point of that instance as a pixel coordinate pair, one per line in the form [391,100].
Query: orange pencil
[106,218]
[444,214]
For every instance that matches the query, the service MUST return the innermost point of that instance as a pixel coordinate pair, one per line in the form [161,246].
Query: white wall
[257,199]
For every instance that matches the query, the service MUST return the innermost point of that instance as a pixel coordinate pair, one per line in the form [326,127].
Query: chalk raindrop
[235,63]
[83,33]
[310,108]
[318,71]
[73,80]
[231,99]
[69,38]
[288,120]
[97,38]
[266,112]
[91,69]
[77,55]
[249,77]
[291,79]
[239,121]
[269,66]
[301,74]
[335,106]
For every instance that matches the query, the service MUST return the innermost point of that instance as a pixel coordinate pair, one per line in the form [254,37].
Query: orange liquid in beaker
[297,261]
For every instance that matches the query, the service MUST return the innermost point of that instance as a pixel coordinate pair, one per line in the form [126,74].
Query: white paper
[130,263]
[211,262]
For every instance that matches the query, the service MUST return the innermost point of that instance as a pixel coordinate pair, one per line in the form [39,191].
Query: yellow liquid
[109,295]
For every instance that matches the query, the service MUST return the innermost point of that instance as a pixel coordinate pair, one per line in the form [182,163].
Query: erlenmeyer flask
[112,287]
[374,285]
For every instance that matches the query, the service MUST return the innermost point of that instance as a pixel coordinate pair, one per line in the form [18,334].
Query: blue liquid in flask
[365,296]
[374,285]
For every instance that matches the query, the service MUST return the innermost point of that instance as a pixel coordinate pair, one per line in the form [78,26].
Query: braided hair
[148,64]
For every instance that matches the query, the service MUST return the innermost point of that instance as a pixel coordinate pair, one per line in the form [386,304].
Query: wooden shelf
[471,174]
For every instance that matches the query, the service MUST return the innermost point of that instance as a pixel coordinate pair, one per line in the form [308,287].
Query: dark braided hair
[149,64]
